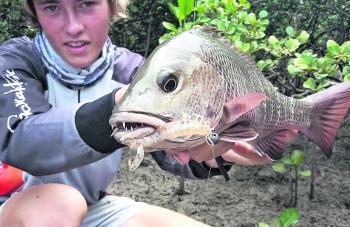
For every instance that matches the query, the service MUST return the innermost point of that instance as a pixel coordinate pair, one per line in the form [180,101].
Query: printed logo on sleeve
[15,85]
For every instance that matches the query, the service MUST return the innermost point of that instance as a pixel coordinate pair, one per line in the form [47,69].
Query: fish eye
[167,81]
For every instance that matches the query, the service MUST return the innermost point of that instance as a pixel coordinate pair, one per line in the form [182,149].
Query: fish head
[173,89]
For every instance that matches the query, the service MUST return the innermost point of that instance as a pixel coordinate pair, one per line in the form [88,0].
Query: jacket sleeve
[126,65]
[96,131]
[35,137]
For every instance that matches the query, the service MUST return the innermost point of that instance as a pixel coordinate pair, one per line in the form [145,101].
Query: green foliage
[181,12]
[234,19]
[292,160]
[323,20]
[287,46]
[283,58]
[141,31]
[320,71]
[282,48]
[287,218]
[12,21]
[290,164]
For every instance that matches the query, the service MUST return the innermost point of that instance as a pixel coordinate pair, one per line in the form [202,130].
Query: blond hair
[118,10]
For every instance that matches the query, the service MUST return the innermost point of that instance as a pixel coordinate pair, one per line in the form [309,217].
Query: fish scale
[230,66]
[231,62]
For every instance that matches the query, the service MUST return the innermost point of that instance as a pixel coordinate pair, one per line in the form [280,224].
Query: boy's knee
[45,205]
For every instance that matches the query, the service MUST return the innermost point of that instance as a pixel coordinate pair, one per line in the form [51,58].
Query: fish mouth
[131,127]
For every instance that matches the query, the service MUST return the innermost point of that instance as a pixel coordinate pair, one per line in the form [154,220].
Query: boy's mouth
[76,44]
[76,47]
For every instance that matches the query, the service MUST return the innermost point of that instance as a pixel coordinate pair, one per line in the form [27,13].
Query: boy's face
[77,29]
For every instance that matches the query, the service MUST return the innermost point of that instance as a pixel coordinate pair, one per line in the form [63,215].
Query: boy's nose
[74,25]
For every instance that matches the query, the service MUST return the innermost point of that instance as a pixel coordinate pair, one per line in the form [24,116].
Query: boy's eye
[51,8]
[87,4]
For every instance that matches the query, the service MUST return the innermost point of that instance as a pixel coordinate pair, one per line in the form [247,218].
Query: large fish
[195,89]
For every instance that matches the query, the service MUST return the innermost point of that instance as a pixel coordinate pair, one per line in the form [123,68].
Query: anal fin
[273,145]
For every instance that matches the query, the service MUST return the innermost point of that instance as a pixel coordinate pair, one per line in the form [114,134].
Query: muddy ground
[254,194]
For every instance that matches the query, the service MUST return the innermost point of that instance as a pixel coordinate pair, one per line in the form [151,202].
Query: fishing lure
[140,153]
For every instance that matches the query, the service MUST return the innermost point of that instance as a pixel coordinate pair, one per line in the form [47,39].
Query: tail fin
[330,107]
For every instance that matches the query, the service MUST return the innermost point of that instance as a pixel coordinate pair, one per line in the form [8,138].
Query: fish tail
[330,107]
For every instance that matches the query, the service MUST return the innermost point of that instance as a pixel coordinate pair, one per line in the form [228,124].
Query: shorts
[112,211]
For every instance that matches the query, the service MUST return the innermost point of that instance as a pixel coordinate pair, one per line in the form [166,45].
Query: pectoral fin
[238,133]
[240,105]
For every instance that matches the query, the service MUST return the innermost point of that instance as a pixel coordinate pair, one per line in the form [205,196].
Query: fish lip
[131,127]
[142,135]
[123,121]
